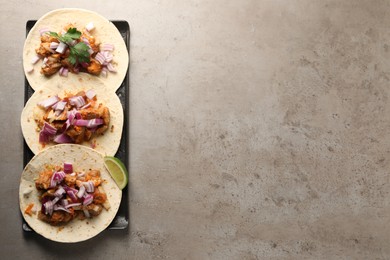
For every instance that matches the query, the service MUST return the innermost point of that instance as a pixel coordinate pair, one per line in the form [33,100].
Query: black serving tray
[121,220]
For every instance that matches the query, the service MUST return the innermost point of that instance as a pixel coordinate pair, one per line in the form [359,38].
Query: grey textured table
[258,130]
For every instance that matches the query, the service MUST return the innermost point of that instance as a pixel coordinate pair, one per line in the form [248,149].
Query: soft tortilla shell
[104,32]
[83,159]
[107,144]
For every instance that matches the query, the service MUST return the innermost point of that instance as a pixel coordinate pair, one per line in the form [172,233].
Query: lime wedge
[117,170]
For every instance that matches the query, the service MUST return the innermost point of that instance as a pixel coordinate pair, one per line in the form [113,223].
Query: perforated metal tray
[121,220]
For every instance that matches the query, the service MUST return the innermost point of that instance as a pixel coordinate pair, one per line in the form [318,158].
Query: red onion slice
[60,105]
[61,47]
[88,198]
[90,93]
[64,72]
[56,178]
[47,133]
[81,192]
[110,67]
[86,213]
[107,56]
[35,59]
[59,192]
[49,207]
[90,26]
[54,45]
[100,58]
[77,101]
[49,102]
[68,167]
[73,205]
[49,129]
[107,47]
[86,106]
[55,200]
[81,122]
[58,207]
[63,139]
[89,187]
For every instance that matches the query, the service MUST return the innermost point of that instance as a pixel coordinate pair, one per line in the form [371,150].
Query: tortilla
[83,159]
[107,144]
[104,32]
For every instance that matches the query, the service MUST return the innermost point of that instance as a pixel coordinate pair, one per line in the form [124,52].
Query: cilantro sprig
[78,52]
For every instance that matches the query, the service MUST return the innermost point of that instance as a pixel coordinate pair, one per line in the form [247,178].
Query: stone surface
[258,130]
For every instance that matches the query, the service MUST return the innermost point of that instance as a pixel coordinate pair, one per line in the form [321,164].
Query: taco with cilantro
[70,42]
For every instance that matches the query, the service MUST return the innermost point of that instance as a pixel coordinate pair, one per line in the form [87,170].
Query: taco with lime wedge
[70,42]
[67,195]
[73,110]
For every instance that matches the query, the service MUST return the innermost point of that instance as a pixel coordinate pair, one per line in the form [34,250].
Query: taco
[67,195]
[73,110]
[70,42]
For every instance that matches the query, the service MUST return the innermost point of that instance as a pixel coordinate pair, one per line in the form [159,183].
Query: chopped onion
[71,193]
[64,72]
[49,129]
[89,187]
[58,207]
[90,93]
[90,26]
[110,67]
[73,205]
[56,178]
[60,105]
[77,101]
[47,133]
[71,116]
[43,138]
[68,167]
[81,174]
[64,202]
[86,106]
[77,116]
[59,191]
[107,56]
[61,48]
[104,72]
[49,207]
[63,139]
[100,57]
[86,213]
[45,60]
[89,123]
[35,59]
[95,122]
[42,31]
[90,51]
[81,122]
[55,200]
[72,174]
[81,192]
[54,45]
[29,69]
[88,198]
[107,47]
[49,102]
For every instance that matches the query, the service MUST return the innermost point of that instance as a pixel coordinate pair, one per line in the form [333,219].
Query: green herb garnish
[78,52]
